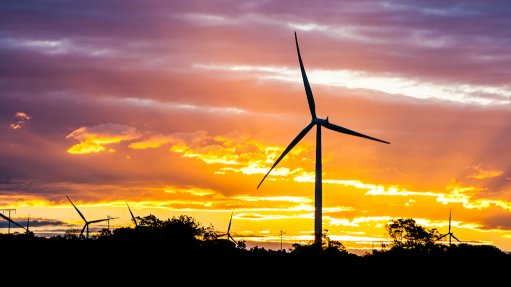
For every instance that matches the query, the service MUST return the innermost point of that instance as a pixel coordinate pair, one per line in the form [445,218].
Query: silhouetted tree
[103,233]
[332,247]
[150,221]
[71,234]
[475,251]
[183,231]
[406,233]
[306,249]
[210,233]
[241,244]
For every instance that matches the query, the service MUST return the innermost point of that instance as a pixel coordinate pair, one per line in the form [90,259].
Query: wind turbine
[87,223]
[10,220]
[318,122]
[28,225]
[132,216]
[449,233]
[228,234]
[108,218]
[281,233]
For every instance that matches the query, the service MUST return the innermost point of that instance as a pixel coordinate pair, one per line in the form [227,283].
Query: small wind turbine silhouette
[318,122]
[281,233]
[87,223]
[228,234]
[11,221]
[108,218]
[132,216]
[28,225]
[451,235]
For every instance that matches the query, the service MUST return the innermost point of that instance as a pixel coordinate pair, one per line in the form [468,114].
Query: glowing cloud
[153,142]
[355,222]
[457,193]
[465,195]
[20,118]
[296,199]
[95,139]
[235,154]
[192,191]
[391,84]
[482,174]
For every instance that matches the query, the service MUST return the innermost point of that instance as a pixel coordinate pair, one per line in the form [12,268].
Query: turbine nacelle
[320,121]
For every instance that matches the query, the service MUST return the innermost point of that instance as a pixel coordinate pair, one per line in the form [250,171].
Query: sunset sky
[181,107]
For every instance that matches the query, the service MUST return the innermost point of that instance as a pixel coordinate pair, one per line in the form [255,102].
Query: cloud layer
[184,105]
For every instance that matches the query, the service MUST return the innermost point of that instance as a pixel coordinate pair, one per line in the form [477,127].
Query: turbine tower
[318,122]
[281,233]
[87,223]
[451,235]
[28,225]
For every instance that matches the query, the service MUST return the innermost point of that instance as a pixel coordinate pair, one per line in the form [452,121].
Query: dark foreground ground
[156,263]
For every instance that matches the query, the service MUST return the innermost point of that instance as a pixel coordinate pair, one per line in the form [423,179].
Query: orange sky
[182,107]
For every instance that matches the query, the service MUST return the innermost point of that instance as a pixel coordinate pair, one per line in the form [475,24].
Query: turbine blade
[99,220]
[289,147]
[83,229]
[442,236]
[455,238]
[308,91]
[229,228]
[132,216]
[230,237]
[10,220]
[77,210]
[349,132]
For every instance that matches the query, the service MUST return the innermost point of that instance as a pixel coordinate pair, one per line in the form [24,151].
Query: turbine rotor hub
[320,121]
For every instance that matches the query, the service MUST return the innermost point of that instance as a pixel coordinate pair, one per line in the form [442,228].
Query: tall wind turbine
[87,223]
[228,234]
[318,122]
[451,235]
[132,216]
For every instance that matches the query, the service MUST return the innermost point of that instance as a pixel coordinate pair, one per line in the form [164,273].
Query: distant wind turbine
[28,225]
[228,234]
[87,223]
[281,233]
[10,220]
[108,218]
[318,122]
[451,235]
[132,216]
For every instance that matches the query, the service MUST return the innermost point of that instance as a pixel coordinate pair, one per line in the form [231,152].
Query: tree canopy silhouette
[184,235]
[407,234]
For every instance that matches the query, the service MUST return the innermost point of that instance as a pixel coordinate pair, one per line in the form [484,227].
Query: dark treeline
[183,241]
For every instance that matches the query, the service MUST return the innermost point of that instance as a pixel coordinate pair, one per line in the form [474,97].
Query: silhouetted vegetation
[183,240]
